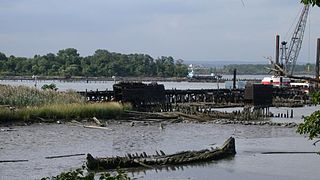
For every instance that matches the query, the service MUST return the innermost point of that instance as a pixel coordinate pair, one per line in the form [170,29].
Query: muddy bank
[147,118]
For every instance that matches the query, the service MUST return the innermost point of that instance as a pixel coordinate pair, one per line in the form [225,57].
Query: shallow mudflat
[35,142]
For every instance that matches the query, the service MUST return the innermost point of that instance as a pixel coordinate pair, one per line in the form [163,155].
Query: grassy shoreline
[110,110]
[23,96]
[25,104]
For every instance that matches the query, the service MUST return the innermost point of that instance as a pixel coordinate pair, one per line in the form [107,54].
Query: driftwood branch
[12,161]
[315,143]
[279,70]
[142,164]
[290,152]
[63,156]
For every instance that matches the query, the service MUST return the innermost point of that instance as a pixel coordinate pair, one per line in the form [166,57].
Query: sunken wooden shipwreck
[161,159]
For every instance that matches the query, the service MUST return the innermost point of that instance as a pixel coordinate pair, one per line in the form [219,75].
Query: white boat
[276,81]
[305,86]
[280,81]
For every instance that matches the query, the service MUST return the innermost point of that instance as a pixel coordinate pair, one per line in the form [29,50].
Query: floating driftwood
[161,159]
[63,156]
[148,116]
[13,161]
[7,130]
[289,152]
[97,127]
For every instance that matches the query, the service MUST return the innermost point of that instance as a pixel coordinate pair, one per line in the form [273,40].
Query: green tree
[3,57]
[181,69]
[312,2]
[311,124]
[68,62]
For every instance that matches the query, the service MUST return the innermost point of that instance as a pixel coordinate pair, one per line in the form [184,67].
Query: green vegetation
[246,68]
[262,68]
[30,104]
[68,62]
[80,174]
[22,96]
[311,124]
[102,63]
[253,69]
[312,2]
[63,111]
[49,87]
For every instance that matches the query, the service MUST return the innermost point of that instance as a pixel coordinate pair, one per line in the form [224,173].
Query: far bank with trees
[68,62]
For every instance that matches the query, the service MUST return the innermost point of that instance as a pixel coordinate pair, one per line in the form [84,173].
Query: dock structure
[98,95]
[204,95]
[154,97]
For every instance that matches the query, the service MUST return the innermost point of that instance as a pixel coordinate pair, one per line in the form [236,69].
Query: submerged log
[13,161]
[151,161]
[97,127]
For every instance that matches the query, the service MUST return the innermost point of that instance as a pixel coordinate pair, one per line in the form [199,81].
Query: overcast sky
[185,29]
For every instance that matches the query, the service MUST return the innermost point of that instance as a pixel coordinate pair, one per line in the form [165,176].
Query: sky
[199,30]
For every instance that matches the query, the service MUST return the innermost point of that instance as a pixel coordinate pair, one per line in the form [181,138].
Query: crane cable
[291,27]
[309,41]
[243,3]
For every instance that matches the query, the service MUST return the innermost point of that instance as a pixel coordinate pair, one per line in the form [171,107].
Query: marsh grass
[22,96]
[64,112]
[31,104]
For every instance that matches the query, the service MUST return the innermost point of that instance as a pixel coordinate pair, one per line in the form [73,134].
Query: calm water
[103,85]
[38,141]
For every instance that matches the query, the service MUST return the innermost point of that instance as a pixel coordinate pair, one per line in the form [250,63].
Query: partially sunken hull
[152,161]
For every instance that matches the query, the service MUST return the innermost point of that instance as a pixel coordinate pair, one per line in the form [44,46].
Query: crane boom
[292,52]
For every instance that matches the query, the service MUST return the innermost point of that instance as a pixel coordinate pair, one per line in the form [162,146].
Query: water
[107,85]
[38,141]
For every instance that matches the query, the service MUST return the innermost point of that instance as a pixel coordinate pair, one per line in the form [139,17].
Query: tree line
[263,68]
[252,69]
[102,63]
[68,62]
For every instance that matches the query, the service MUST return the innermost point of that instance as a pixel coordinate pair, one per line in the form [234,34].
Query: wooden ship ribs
[161,159]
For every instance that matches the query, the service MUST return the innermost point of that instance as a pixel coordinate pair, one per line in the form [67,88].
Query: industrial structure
[287,55]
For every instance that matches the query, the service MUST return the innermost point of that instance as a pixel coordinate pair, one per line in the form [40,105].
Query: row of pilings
[214,97]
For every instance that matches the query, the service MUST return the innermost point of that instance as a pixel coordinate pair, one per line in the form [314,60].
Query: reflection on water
[108,85]
[36,142]
[135,172]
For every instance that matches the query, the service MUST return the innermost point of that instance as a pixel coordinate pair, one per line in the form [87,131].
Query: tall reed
[32,104]
[21,96]
[64,111]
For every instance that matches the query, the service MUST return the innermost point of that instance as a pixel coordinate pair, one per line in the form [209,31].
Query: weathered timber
[147,116]
[289,152]
[154,98]
[63,156]
[97,127]
[152,161]
[13,161]
[142,96]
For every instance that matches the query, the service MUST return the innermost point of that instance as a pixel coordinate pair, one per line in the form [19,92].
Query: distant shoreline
[139,79]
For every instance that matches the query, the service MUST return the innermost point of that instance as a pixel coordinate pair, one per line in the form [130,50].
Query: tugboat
[192,76]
